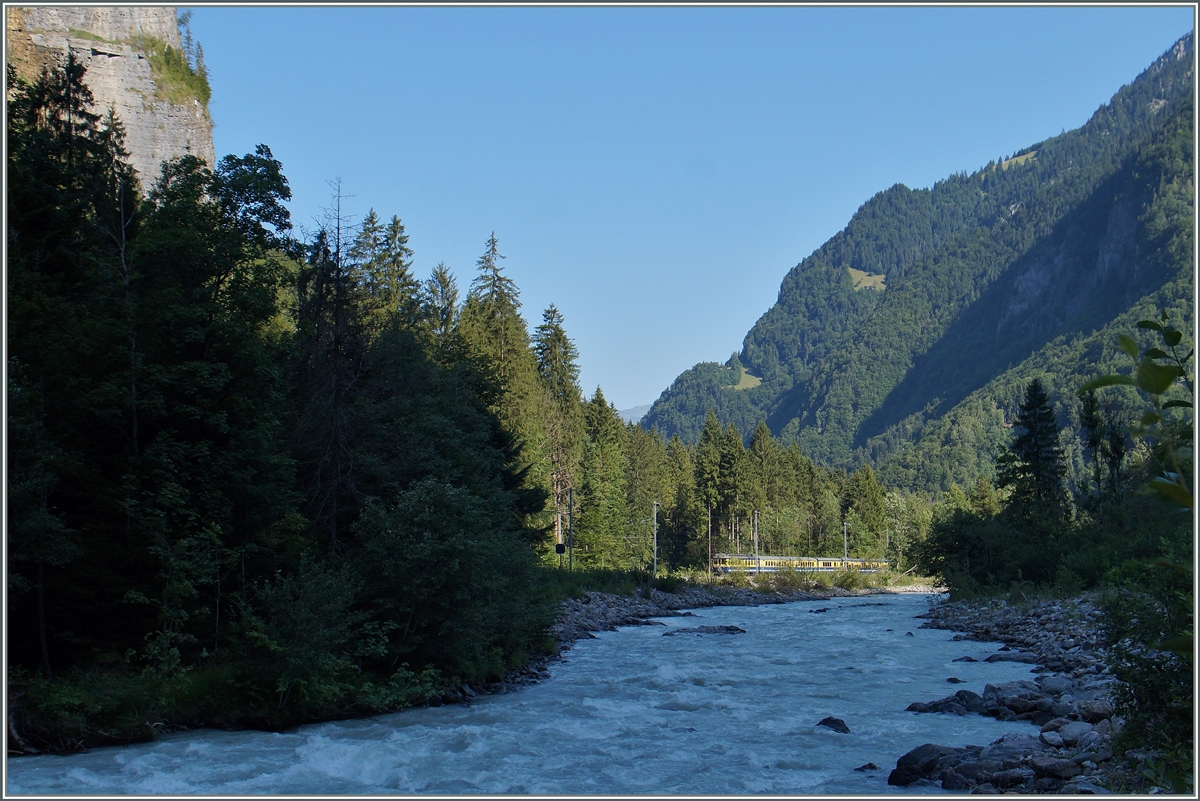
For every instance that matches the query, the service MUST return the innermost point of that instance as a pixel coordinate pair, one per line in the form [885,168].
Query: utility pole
[887,543]
[757,560]
[710,564]
[571,529]
[654,571]
[845,543]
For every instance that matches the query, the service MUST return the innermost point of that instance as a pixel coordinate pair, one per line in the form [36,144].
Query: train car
[737,563]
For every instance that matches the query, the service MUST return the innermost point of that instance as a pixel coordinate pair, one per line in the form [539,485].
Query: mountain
[905,340]
[634,414]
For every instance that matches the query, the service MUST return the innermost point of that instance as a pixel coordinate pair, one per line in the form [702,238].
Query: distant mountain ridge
[634,414]
[906,338]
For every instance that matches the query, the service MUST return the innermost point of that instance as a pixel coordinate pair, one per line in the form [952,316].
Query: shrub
[175,79]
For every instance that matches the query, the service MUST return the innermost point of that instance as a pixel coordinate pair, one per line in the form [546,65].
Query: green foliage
[1032,467]
[253,481]
[176,78]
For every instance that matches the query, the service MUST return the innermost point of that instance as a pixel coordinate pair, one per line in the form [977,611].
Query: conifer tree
[1032,466]
[866,498]
[600,523]
[708,471]
[562,408]
[495,332]
[440,310]
[384,261]
[733,481]
[333,334]
[492,317]
[763,463]
[684,531]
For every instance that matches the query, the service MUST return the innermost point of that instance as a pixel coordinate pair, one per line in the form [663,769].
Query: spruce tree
[1032,467]
[562,412]
[602,511]
[732,481]
[708,471]
[439,312]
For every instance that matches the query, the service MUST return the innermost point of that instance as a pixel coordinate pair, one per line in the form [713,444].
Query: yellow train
[737,562]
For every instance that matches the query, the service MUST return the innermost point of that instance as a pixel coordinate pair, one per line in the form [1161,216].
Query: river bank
[744,701]
[1069,750]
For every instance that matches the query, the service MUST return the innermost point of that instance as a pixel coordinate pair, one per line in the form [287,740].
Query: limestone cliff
[122,49]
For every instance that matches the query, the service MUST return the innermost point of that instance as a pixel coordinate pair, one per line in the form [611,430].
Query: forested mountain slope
[905,337]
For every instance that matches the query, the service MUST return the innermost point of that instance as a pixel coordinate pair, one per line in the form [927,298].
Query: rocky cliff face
[110,43]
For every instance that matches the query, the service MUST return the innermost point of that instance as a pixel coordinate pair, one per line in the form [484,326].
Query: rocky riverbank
[1070,751]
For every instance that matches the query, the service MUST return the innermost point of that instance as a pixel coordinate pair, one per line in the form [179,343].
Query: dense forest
[1027,268]
[255,479]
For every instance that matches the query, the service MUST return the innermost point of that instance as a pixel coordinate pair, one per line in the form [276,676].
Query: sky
[653,172]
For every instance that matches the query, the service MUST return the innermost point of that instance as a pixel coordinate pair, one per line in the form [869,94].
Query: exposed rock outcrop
[104,40]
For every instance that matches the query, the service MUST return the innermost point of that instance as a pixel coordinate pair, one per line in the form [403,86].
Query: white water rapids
[631,712]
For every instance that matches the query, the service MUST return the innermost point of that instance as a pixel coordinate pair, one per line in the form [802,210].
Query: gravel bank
[1069,748]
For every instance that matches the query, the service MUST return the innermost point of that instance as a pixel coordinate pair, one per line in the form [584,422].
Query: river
[630,712]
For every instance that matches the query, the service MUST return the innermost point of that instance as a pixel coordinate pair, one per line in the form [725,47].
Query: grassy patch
[1017,161]
[75,33]
[562,584]
[864,280]
[747,381]
[174,79]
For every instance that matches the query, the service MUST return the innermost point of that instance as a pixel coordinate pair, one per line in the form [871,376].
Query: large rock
[706,630]
[1014,656]
[118,75]
[1073,731]
[917,763]
[837,724]
[1055,685]
[1095,711]
[1054,767]
[1052,739]
[953,780]
[1013,777]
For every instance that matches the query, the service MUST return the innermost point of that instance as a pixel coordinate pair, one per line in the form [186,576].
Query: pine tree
[708,471]
[440,310]
[1032,467]
[684,536]
[733,482]
[333,340]
[600,523]
[563,410]
[764,468]
[866,498]
[384,262]
[492,317]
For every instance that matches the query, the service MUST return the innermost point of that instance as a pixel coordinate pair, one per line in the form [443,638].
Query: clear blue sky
[652,171]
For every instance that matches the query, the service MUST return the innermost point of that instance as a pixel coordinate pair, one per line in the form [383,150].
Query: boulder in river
[706,630]
[837,724]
